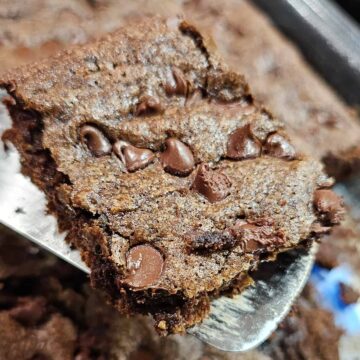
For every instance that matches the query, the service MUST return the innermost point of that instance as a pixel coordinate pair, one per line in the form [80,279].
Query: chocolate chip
[257,235]
[148,105]
[134,158]
[177,159]
[144,264]
[242,144]
[29,312]
[276,145]
[329,205]
[212,184]
[209,241]
[348,294]
[178,84]
[95,140]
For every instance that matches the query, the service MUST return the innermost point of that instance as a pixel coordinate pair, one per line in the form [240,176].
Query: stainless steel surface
[245,321]
[23,205]
[328,37]
[234,324]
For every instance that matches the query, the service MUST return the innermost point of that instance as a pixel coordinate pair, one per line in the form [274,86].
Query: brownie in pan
[318,122]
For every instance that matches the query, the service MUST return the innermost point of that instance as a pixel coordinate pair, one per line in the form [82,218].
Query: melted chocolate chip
[242,144]
[209,241]
[212,184]
[145,265]
[148,105]
[95,140]
[178,84]
[276,145]
[329,205]
[257,235]
[177,159]
[134,158]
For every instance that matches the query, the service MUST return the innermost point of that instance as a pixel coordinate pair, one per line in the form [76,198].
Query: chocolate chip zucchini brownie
[168,178]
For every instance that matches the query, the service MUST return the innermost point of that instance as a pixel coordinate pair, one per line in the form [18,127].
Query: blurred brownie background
[48,311]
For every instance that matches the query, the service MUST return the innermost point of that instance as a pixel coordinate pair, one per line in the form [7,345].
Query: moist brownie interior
[171,181]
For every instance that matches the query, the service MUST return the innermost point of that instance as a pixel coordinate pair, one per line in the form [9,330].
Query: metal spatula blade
[245,321]
[234,324]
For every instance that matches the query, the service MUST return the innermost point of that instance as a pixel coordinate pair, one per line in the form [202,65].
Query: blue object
[327,283]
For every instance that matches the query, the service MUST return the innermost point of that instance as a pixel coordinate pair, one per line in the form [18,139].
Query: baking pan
[328,37]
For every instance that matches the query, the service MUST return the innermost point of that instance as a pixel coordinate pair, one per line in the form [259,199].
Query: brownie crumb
[348,294]
[327,256]
[329,205]
[258,235]
[210,241]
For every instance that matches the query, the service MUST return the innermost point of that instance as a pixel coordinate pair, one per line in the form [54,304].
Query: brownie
[35,302]
[348,294]
[308,332]
[316,119]
[341,247]
[48,311]
[167,176]
[38,28]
